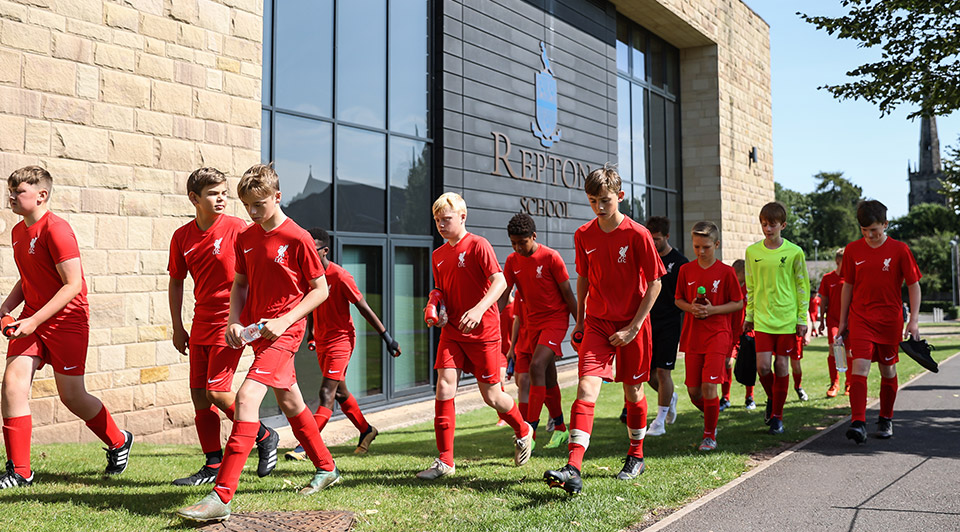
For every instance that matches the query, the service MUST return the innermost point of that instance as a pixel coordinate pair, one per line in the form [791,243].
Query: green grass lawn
[487,493]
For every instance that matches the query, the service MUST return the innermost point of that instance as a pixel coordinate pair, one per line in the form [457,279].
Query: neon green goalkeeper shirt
[778,288]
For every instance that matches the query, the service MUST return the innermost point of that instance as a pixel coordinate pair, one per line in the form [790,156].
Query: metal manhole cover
[312,521]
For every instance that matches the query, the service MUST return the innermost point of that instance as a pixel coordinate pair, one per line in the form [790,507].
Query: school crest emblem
[545,128]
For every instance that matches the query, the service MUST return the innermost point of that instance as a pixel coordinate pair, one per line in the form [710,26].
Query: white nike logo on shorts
[211,381]
[635,377]
[331,371]
[487,376]
[885,358]
[258,372]
[72,367]
[789,350]
[714,378]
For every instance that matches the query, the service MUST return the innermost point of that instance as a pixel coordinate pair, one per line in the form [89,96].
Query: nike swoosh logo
[247,251]
[72,367]
[211,381]
[516,272]
[331,371]
[635,377]
[486,376]
[257,371]
[15,243]
[591,251]
[859,262]
[885,358]
[713,378]
[441,262]
[757,260]
[690,283]
[187,252]
[789,350]
[551,343]
[668,363]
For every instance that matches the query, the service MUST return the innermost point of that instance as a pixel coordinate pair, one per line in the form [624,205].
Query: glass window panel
[411,281]
[409,173]
[639,51]
[305,56]
[623,45]
[361,182]
[658,143]
[362,62]
[639,96]
[655,68]
[676,219]
[365,264]
[672,137]
[267,50]
[658,202]
[640,202]
[265,137]
[408,67]
[303,160]
[672,84]
[624,164]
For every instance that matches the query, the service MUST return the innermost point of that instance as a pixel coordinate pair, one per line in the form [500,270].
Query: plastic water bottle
[701,298]
[839,354]
[251,332]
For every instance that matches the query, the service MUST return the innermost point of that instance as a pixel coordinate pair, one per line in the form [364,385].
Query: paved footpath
[908,483]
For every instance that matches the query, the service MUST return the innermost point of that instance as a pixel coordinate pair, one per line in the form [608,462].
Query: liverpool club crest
[545,128]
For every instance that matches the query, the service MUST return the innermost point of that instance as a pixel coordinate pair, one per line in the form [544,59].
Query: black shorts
[666,339]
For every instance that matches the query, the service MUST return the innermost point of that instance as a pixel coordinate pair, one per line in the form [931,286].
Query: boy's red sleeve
[848,270]
[62,243]
[309,259]
[353,292]
[508,270]
[908,265]
[559,268]
[733,286]
[681,283]
[176,265]
[436,274]
[582,262]
[240,264]
[822,289]
[649,259]
[487,258]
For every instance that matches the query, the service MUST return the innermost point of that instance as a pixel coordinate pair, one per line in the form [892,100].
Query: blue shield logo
[545,128]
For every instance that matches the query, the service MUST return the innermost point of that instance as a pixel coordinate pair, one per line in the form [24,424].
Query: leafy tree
[798,216]
[932,253]
[919,41]
[950,182]
[833,210]
[926,219]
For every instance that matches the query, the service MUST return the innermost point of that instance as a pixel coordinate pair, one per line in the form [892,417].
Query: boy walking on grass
[831,289]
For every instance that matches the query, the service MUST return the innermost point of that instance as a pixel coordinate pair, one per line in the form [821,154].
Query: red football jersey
[37,250]
[506,326]
[619,265]
[538,279]
[279,266]
[331,320]
[831,286]
[209,257]
[461,273]
[702,335]
[877,274]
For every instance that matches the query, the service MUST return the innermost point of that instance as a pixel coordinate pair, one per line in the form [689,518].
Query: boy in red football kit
[541,278]
[814,311]
[619,270]
[286,282]
[203,247]
[333,337]
[737,322]
[708,291]
[874,270]
[466,271]
[53,328]
[831,288]
[778,289]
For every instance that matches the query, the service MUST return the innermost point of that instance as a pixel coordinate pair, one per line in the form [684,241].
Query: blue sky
[813,131]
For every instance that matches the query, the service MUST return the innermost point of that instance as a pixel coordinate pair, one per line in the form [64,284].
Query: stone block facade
[120,100]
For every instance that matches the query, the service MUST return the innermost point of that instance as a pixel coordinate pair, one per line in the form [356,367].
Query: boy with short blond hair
[467,273]
[708,291]
[619,270]
[875,268]
[278,281]
[204,249]
[778,289]
[53,328]
[831,289]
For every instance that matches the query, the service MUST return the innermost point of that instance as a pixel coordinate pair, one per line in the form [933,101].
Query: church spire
[929,146]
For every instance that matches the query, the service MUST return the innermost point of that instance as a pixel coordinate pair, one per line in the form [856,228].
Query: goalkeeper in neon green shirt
[778,296]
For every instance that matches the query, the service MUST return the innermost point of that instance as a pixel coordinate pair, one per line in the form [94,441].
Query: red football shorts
[597,355]
[273,366]
[212,367]
[521,361]
[704,368]
[552,338]
[334,356]
[64,349]
[779,344]
[480,358]
[886,354]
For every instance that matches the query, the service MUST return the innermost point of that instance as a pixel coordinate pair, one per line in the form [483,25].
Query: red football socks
[711,412]
[554,406]
[888,395]
[322,416]
[797,377]
[103,426]
[231,412]
[767,382]
[858,397]
[581,419]
[352,410]
[538,395]
[307,432]
[636,426]
[515,420]
[242,438]
[749,391]
[832,366]
[208,429]
[780,386]
[725,385]
[16,438]
[444,423]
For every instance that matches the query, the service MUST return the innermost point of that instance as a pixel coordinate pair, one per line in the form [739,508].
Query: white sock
[662,414]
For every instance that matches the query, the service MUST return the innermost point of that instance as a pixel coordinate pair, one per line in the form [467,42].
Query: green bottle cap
[701,290]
